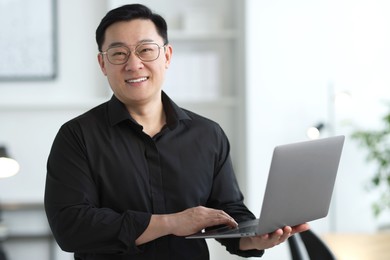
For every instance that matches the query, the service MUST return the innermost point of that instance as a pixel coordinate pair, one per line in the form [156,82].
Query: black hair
[128,13]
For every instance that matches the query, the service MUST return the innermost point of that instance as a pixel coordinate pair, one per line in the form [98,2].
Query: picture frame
[28,40]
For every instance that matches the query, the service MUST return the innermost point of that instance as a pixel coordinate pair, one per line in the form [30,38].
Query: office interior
[267,71]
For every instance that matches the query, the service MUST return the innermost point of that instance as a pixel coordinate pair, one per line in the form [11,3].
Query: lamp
[313,132]
[8,166]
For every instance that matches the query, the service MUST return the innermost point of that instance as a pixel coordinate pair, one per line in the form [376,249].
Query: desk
[359,246]
[25,232]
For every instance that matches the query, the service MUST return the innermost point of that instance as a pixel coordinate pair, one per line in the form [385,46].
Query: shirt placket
[157,193]
[156,181]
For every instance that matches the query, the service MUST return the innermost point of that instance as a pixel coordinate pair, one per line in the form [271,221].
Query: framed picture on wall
[28,40]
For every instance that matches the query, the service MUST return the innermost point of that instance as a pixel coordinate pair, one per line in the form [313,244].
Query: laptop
[299,188]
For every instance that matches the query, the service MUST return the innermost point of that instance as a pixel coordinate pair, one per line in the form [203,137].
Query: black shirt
[105,177]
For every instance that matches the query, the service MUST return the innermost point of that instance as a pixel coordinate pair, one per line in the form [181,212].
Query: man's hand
[270,240]
[184,223]
[195,219]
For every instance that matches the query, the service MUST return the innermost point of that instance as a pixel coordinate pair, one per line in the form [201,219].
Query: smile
[137,80]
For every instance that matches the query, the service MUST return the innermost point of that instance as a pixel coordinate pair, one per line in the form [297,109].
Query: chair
[2,254]
[315,248]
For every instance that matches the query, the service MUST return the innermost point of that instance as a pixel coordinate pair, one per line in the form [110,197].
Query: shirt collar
[117,112]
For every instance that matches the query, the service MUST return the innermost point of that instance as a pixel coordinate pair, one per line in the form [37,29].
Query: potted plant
[377,146]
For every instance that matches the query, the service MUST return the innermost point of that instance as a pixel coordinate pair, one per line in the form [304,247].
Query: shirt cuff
[233,246]
[134,225]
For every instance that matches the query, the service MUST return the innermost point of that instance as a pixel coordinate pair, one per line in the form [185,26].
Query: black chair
[2,254]
[315,248]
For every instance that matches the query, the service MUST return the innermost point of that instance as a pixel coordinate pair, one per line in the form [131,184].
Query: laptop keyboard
[243,227]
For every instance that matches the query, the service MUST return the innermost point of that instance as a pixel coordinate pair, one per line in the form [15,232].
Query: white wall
[32,112]
[295,52]
[298,51]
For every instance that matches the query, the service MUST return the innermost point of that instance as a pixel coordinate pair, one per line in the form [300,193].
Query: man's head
[128,13]
[134,53]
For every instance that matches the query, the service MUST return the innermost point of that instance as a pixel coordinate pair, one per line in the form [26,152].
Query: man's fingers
[300,228]
[219,217]
[228,220]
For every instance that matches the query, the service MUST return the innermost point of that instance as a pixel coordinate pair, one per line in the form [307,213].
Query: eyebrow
[114,44]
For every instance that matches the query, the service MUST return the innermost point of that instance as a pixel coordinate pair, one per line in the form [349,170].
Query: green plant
[377,146]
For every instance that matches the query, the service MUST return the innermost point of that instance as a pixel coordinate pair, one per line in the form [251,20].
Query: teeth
[136,80]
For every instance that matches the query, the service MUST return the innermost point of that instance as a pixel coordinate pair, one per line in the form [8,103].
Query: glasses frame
[136,53]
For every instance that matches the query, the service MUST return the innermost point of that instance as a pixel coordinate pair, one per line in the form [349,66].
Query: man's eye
[119,53]
[144,50]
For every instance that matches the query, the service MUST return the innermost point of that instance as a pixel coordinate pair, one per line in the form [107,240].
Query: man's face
[135,82]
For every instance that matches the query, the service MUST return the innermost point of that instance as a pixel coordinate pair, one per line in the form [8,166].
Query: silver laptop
[299,188]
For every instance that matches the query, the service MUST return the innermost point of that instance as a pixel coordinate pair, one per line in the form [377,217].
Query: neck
[151,117]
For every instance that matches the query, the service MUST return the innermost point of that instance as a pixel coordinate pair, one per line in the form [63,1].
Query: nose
[134,63]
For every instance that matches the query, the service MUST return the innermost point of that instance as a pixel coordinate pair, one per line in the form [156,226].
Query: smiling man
[132,177]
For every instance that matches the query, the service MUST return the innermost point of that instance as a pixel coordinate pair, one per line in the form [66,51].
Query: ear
[102,63]
[168,55]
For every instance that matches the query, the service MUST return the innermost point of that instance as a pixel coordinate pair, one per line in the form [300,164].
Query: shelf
[20,210]
[90,103]
[21,206]
[39,105]
[37,236]
[202,35]
[218,102]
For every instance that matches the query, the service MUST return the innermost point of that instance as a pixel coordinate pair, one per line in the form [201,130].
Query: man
[132,177]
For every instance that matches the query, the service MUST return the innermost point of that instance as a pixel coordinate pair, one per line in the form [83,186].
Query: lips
[137,80]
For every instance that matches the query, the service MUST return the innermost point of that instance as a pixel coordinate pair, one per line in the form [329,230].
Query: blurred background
[267,71]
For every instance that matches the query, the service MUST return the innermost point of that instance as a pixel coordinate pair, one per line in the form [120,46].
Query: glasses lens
[118,55]
[148,51]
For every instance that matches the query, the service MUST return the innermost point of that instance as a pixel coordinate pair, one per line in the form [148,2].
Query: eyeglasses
[119,55]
